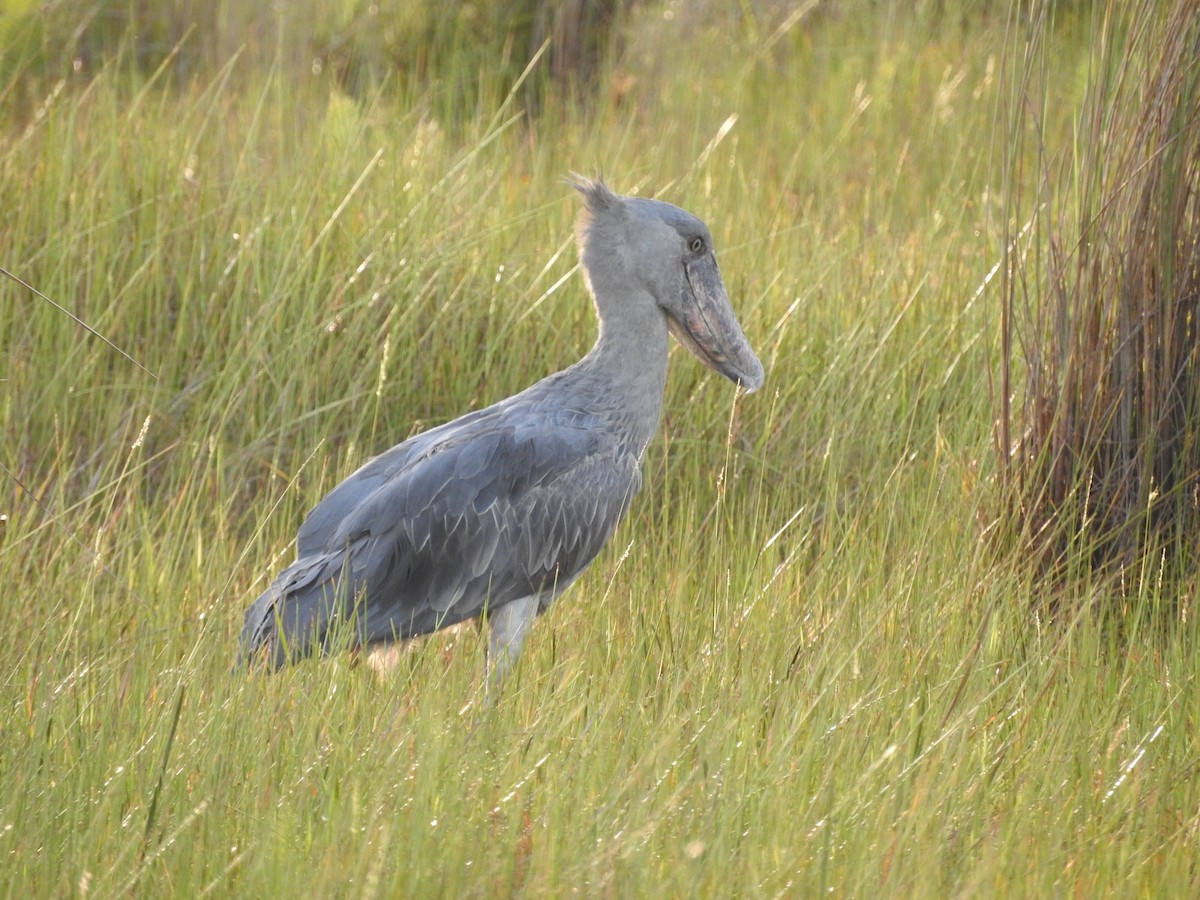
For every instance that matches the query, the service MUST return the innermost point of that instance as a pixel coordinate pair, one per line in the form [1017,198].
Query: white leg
[509,625]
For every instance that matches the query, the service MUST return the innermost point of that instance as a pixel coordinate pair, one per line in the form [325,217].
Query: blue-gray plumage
[502,509]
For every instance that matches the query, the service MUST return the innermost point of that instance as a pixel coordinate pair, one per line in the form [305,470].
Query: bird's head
[669,253]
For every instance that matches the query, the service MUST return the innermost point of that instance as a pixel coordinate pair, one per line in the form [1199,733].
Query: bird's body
[502,509]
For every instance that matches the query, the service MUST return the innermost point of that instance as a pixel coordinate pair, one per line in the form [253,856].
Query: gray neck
[627,365]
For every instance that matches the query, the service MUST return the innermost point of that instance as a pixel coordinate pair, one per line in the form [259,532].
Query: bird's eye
[696,244]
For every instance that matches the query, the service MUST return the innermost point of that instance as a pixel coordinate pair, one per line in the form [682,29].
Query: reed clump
[1099,419]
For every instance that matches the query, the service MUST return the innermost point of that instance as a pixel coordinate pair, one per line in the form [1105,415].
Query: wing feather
[432,531]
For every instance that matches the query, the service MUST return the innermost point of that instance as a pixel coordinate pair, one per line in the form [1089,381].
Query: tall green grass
[801,666]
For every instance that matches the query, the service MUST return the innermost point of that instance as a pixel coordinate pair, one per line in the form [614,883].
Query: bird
[498,512]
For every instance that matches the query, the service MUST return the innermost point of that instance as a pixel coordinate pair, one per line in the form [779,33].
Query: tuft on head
[600,205]
[597,198]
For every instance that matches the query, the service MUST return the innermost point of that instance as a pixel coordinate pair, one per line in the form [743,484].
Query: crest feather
[597,197]
[601,206]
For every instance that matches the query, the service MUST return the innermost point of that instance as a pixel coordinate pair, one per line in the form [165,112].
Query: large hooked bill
[709,329]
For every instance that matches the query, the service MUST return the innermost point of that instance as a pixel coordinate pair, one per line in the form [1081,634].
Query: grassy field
[800,667]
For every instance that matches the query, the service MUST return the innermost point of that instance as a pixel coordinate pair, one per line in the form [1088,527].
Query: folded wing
[486,510]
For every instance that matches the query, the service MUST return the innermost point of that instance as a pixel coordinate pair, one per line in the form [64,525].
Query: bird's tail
[294,617]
